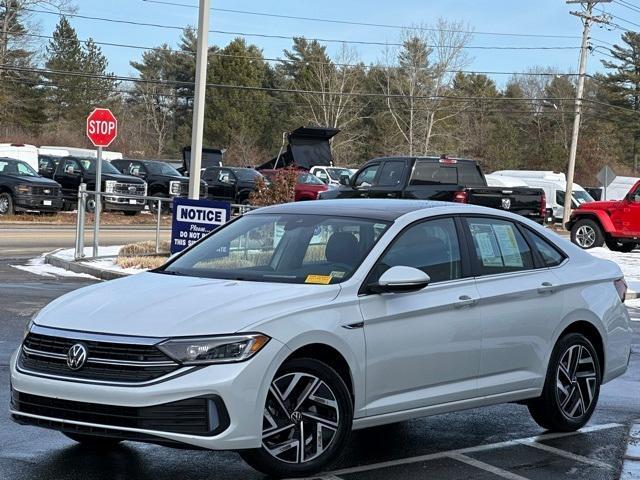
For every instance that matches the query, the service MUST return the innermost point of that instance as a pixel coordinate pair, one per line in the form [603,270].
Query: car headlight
[207,350]
[23,189]
[109,186]
[175,187]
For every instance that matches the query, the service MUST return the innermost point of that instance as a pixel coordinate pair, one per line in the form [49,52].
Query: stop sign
[102,127]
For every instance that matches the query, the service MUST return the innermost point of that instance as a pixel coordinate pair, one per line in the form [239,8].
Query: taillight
[543,207]
[621,288]
[460,197]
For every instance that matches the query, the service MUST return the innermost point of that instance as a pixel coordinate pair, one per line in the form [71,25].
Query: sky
[549,17]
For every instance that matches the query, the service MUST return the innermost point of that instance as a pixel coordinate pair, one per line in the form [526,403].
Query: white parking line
[485,466]
[564,453]
[463,451]
[631,466]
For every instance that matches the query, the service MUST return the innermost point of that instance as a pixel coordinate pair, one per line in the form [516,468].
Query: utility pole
[587,19]
[198,101]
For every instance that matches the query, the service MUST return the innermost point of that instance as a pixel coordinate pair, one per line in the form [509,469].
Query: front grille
[130,188]
[193,416]
[184,190]
[106,361]
[46,191]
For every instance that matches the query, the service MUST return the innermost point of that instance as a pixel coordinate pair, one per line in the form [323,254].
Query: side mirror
[345,180]
[400,279]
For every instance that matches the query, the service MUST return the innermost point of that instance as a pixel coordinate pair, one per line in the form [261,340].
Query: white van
[19,151]
[330,175]
[619,188]
[80,152]
[494,180]
[554,185]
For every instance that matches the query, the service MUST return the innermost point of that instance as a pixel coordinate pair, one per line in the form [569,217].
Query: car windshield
[89,164]
[582,197]
[289,248]
[336,173]
[309,179]
[16,167]
[161,168]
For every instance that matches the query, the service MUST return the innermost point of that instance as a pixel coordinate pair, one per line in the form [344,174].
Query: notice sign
[193,219]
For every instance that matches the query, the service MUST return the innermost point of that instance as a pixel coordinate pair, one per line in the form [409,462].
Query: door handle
[465,301]
[546,287]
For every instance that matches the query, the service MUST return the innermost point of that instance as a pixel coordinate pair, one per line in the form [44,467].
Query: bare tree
[418,74]
[334,98]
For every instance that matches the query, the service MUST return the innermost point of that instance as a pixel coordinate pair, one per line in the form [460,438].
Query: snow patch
[38,267]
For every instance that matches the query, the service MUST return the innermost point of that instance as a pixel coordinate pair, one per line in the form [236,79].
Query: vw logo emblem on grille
[76,356]
[506,203]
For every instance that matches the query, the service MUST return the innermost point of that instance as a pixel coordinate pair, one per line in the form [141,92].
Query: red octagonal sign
[102,127]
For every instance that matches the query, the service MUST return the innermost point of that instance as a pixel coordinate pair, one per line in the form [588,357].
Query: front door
[69,176]
[390,180]
[627,214]
[362,182]
[423,348]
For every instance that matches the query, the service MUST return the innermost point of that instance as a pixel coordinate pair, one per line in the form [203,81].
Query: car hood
[157,305]
[32,180]
[603,205]
[119,177]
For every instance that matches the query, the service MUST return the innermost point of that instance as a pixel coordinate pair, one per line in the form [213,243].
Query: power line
[364,24]
[269,89]
[627,5]
[290,37]
[293,61]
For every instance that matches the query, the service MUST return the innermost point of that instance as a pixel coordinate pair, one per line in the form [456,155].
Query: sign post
[102,130]
[193,219]
[606,176]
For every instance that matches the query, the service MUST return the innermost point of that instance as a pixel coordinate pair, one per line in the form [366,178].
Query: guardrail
[83,194]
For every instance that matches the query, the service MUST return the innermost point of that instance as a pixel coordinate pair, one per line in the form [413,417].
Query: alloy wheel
[4,206]
[301,418]
[585,236]
[576,381]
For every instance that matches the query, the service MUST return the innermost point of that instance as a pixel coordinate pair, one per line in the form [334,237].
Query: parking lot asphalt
[491,443]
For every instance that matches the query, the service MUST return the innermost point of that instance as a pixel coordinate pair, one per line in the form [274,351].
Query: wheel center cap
[296,417]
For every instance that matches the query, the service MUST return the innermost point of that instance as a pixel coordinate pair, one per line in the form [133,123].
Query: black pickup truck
[432,178]
[72,171]
[163,180]
[231,184]
[21,188]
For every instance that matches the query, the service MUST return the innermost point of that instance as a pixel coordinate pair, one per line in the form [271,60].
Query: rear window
[430,172]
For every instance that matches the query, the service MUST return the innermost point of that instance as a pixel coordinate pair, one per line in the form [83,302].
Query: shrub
[280,190]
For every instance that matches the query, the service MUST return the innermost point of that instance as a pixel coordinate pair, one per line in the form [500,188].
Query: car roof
[375,209]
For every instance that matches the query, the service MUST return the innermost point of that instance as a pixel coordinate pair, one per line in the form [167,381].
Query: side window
[43,163]
[70,166]
[210,174]
[430,246]
[226,176]
[23,169]
[391,175]
[366,176]
[429,172]
[136,169]
[499,246]
[550,255]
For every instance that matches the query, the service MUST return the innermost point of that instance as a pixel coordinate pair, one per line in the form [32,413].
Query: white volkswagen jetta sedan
[287,328]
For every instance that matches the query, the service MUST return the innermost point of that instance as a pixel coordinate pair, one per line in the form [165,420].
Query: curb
[78,267]
[631,465]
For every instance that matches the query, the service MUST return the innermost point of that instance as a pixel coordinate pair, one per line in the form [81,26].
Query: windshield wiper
[169,272]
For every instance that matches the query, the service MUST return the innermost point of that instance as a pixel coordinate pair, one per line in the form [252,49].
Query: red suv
[615,223]
[308,186]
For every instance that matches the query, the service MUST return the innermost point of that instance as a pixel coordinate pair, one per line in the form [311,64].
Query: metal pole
[587,17]
[158,226]
[98,200]
[80,221]
[198,103]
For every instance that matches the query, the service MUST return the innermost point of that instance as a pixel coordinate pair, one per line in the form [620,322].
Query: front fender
[600,216]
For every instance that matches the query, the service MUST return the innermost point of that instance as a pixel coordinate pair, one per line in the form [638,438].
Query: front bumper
[42,203]
[241,387]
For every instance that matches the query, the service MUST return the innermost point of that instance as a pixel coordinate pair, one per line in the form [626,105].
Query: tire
[153,208]
[571,390]
[90,205]
[316,379]
[587,234]
[616,246]
[7,206]
[93,441]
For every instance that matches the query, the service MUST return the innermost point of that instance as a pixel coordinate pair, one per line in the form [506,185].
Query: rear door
[520,302]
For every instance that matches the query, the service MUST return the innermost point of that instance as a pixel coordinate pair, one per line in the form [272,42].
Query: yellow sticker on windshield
[321,279]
